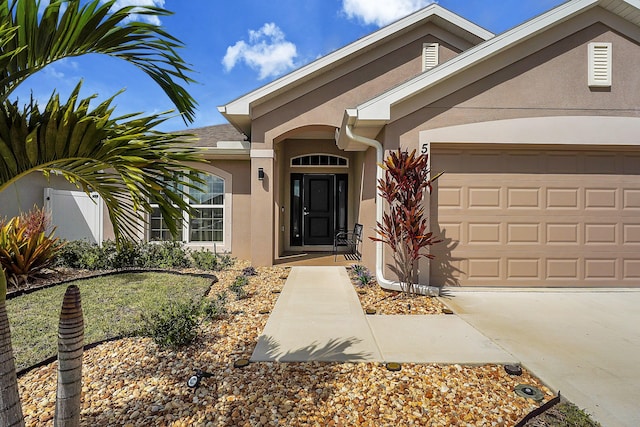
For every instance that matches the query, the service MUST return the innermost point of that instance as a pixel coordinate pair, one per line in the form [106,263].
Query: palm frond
[29,42]
[121,158]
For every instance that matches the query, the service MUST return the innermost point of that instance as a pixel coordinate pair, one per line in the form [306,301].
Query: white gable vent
[429,56]
[600,64]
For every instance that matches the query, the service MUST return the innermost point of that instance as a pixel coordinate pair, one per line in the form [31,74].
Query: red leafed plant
[27,246]
[404,226]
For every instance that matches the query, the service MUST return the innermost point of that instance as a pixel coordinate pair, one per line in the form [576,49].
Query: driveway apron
[585,343]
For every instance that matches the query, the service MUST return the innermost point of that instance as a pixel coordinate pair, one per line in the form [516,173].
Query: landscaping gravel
[133,383]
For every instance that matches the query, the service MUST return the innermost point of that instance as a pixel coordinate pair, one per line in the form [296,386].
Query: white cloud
[267,52]
[150,19]
[58,70]
[381,12]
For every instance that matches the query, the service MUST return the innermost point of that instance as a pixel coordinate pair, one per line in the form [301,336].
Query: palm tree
[70,349]
[122,158]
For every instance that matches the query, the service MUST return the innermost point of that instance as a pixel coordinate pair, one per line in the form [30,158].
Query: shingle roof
[209,136]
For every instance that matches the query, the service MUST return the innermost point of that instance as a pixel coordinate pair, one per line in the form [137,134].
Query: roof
[238,111]
[377,111]
[221,141]
[210,136]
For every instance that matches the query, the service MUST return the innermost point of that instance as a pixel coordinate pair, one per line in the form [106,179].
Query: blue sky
[235,46]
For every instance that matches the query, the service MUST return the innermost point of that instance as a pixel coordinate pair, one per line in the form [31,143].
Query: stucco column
[262,200]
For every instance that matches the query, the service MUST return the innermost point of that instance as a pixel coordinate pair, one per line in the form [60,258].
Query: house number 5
[423,148]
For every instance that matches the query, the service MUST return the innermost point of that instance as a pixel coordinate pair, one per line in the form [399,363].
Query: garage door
[543,217]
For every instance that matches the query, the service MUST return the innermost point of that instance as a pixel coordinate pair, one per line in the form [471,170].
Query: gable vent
[429,56]
[600,64]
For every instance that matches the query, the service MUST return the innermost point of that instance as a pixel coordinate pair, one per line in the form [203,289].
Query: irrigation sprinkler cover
[241,363]
[529,391]
[513,369]
[393,366]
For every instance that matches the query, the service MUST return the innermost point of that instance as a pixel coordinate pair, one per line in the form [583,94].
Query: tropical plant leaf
[31,39]
[124,160]
[404,226]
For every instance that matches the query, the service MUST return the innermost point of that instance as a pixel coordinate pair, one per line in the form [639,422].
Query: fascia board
[379,108]
[242,105]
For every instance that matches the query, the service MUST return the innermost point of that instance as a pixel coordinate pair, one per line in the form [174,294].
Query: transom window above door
[320,160]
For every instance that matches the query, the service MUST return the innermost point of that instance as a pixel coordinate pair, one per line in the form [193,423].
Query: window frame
[225,243]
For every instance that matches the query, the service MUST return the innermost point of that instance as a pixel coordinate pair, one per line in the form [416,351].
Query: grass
[565,414]
[112,306]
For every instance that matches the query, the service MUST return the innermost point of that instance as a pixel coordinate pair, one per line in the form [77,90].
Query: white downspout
[382,281]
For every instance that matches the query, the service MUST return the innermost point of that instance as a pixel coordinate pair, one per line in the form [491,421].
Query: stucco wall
[241,205]
[549,82]
[324,99]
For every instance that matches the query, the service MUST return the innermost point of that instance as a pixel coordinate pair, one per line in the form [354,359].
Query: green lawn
[111,305]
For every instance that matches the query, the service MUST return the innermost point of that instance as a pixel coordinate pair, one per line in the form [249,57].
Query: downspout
[382,281]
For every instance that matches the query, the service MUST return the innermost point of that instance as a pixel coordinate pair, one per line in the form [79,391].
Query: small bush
[204,259]
[362,276]
[249,271]
[127,255]
[79,254]
[175,325]
[26,246]
[164,255]
[237,287]
[225,261]
[216,308]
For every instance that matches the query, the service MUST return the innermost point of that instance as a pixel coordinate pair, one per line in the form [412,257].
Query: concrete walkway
[318,317]
[584,343]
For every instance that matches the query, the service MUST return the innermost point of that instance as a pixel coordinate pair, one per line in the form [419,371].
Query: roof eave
[238,111]
[379,108]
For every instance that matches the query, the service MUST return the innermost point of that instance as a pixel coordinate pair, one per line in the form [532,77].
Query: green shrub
[26,248]
[90,256]
[249,271]
[362,276]
[125,256]
[216,308]
[79,254]
[237,287]
[164,255]
[225,261]
[175,325]
[204,259]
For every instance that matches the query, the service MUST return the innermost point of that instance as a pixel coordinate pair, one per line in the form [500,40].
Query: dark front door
[317,209]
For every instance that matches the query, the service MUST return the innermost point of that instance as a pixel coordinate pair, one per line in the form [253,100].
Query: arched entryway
[318,190]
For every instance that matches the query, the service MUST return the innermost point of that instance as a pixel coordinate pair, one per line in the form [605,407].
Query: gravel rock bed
[131,382]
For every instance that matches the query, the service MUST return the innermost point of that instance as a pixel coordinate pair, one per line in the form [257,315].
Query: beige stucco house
[537,130]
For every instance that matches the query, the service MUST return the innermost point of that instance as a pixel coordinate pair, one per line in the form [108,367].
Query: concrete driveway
[585,343]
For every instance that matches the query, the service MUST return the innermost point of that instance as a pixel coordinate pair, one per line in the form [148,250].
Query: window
[600,64]
[429,56]
[320,160]
[207,222]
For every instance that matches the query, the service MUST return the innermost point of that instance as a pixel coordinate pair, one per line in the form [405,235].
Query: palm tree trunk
[70,348]
[10,407]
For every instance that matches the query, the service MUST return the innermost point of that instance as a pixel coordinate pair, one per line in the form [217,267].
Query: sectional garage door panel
[536,218]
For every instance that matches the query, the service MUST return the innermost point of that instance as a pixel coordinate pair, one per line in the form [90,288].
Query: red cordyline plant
[404,226]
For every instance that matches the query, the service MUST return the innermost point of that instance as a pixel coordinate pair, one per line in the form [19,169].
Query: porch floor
[315,259]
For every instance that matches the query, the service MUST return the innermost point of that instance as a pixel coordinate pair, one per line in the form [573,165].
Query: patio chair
[350,239]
